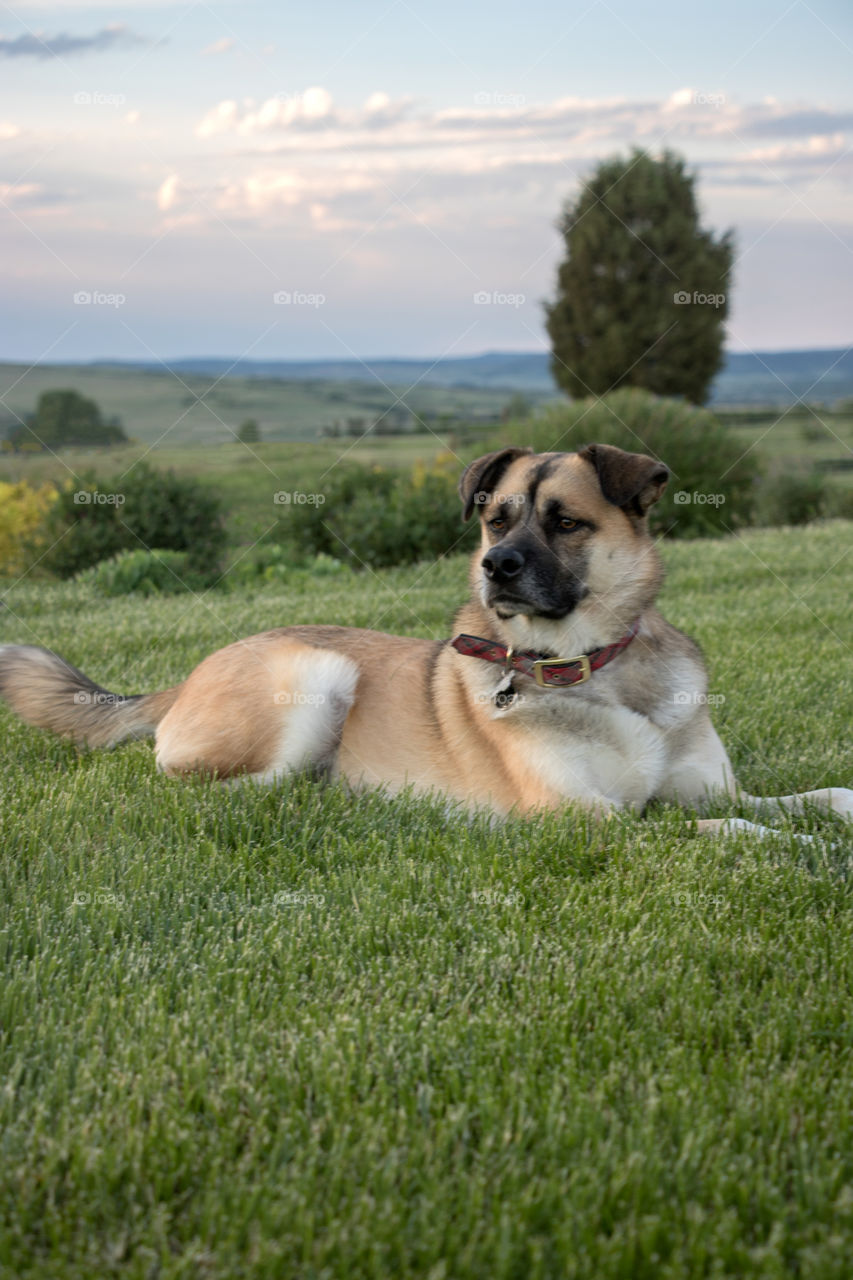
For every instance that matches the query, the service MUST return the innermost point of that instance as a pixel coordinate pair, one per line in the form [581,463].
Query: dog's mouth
[507,606]
[499,596]
[506,603]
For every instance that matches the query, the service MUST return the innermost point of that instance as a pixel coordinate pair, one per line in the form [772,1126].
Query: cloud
[495,126]
[310,121]
[21,193]
[819,148]
[220,46]
[310,109]
[308,163]
[267,191]
[64,45]
[168,193]
[502,139]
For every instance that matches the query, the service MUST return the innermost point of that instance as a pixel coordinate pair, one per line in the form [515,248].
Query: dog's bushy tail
[48,692]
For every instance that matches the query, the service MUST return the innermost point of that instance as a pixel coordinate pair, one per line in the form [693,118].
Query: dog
[563,683]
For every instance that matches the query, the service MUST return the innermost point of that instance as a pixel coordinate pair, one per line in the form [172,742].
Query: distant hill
[204,401]
[497,370]
[780,377]
[775,377]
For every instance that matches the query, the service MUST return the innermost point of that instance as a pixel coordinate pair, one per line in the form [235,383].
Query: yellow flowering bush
[22,509]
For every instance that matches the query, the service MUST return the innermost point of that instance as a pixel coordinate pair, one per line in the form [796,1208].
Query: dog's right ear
[481,476]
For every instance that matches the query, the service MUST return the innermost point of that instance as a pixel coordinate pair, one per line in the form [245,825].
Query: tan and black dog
[564,683]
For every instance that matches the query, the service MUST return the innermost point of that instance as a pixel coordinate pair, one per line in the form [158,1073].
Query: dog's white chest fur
[609,751]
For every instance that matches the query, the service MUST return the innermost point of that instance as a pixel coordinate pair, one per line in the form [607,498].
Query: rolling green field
[172,412]
[247,476]
[297,1032]
[157,406]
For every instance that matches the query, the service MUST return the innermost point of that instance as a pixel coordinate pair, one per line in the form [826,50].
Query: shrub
[813,432]
[146,573]
[711,488]
[272,562]
[22,511]
[145,509]
[839,503]
[375,517]
[789,498]
[250,432]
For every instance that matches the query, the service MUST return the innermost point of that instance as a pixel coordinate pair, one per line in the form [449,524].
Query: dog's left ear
[632,481]
[481,476]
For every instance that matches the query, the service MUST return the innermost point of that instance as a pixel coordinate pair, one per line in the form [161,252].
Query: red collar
[551,672]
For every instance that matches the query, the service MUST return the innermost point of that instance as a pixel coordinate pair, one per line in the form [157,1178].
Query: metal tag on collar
[582,659]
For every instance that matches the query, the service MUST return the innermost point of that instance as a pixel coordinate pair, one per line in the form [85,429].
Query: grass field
[247,477]
[179,408]
[250,1033]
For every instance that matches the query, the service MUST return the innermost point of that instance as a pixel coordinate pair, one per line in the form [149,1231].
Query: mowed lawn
[296,1033]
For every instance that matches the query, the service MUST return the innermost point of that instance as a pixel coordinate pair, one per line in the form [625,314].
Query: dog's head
[564,534]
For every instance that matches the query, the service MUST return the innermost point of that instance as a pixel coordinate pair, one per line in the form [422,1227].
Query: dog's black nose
[503,562]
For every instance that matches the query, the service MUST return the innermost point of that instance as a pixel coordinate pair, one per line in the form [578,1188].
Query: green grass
[246,477]
[534,1050]
[798,439]
[157,406]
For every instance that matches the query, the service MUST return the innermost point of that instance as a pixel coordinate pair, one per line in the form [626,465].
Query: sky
[264,180]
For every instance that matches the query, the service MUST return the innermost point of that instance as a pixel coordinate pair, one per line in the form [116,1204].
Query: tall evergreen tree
[642,293]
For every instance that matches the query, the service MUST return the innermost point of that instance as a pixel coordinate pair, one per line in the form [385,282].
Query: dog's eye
[567,523]
[497,524]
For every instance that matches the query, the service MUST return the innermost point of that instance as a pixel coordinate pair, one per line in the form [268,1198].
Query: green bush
[146,573]
[372,517]
[839,503]
[93,519]
[711,487]
[272,562]
[790,498]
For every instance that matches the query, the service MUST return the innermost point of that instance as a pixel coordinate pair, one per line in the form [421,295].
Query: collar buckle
[582,660]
